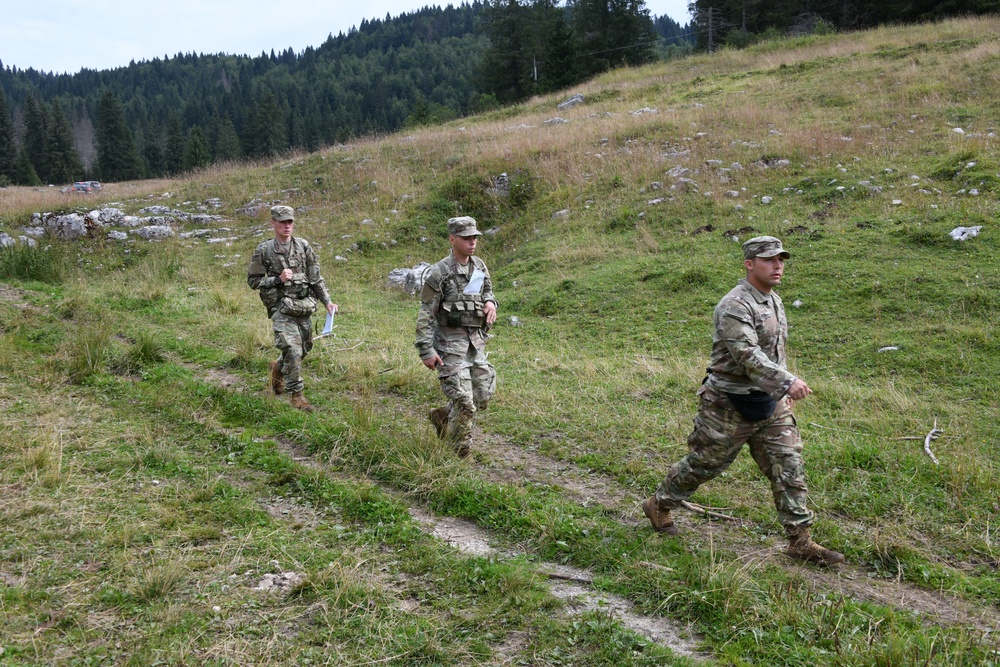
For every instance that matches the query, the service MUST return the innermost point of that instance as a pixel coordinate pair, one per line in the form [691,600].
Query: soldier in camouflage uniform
[285,271]
[747,399]
[457,309]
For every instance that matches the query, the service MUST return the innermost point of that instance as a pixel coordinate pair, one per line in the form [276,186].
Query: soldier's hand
[799,390]
[490,309]
[331,308]
[285,275]
[433,362]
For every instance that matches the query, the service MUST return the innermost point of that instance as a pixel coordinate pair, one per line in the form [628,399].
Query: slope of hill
[418,67]
[149,483]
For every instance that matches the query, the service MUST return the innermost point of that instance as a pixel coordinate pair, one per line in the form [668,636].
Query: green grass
[140,492]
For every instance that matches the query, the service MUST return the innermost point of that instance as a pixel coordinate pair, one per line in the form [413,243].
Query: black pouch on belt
[755,406]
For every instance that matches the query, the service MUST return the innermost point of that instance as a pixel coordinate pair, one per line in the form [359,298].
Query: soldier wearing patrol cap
[285,271]
[747,399]
[457,309]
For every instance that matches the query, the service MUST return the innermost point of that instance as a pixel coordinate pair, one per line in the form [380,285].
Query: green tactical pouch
[269,297]
[452,316]
[297,307]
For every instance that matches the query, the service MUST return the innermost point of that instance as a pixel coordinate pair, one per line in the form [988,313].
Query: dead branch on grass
[568,577]
[834,428]
[701,510]
[927,442]
[341,349]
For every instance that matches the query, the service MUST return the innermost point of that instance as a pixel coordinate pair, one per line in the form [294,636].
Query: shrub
[740,39]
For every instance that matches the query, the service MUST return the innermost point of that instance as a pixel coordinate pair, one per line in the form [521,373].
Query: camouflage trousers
[718,436]
[469,381]
[293,336]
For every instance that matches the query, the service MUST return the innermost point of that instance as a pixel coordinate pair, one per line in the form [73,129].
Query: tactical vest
[462,310]
[466,310]
[293,297]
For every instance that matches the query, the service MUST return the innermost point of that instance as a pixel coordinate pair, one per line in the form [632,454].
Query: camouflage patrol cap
[463,226]
[764,246]
[282,213]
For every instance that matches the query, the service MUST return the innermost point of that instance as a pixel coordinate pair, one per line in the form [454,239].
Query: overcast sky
[68,35]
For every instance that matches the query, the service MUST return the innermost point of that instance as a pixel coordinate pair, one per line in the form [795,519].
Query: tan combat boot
[299,401]
[439,417]
[658,516]
[277,379]
[803,548]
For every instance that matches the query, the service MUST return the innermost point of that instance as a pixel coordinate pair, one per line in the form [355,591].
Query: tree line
[739,23]
[536,46]
[165,116]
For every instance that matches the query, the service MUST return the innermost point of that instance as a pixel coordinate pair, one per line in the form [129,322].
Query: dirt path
[569,584]
[505,463]
[15,296]
[565,583]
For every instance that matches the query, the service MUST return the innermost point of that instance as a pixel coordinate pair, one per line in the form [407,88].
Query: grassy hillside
[148,482]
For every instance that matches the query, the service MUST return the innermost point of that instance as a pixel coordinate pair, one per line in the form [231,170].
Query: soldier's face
[765,272]
[282,229]
[464,246]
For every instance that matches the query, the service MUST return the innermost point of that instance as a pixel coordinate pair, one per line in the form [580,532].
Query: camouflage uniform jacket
[444,282]
[269,260]
[748,345]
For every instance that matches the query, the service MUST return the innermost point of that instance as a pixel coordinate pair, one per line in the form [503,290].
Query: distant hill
[367,80]
[415,68]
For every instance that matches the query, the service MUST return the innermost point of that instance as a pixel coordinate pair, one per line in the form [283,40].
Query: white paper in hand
[328,326]
[475,285]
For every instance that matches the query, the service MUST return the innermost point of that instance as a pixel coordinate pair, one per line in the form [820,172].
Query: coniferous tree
[176,145]
[34,136]
[24,171]
[227,141]
[613,32]
[117,155]
[560,50]
[506,68]
[152,150]
[265,131]
[197,154]
[8,149]
[61,162]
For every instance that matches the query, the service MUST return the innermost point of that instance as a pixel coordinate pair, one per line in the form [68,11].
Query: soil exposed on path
[506,463]
[566,583]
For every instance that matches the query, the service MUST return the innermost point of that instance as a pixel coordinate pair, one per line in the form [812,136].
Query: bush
[740,39]
[466,195]
[824,28]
